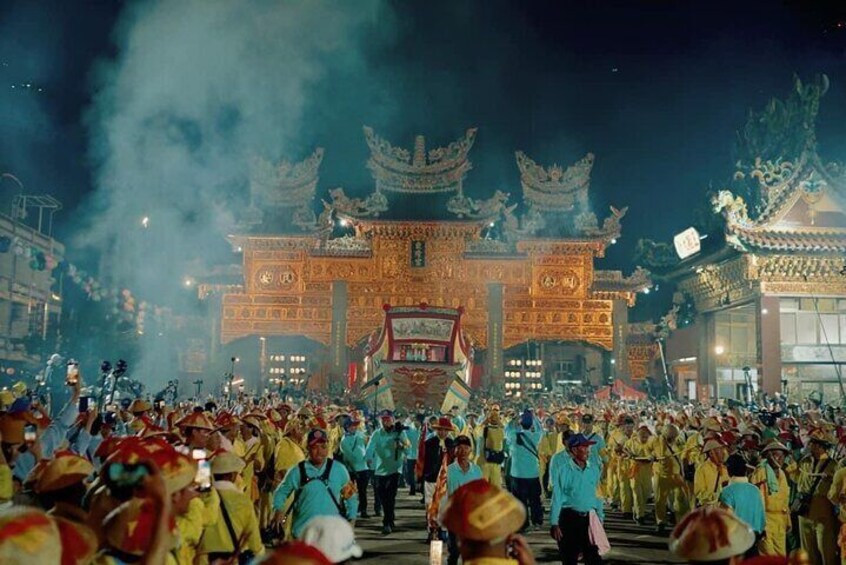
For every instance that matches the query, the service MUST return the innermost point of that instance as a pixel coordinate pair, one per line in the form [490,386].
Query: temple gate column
[620,354]
[493,360]
[769,343]
[706,358]
[338,336]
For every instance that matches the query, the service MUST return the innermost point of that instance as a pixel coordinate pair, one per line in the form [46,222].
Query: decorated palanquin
[521,271]
[421,356]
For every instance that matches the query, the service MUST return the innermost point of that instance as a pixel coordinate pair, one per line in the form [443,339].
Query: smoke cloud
[197,88]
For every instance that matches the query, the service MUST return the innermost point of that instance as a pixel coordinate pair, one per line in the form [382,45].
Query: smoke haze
[197,88]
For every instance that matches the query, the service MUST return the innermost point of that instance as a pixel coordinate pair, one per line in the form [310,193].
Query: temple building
[770,298]
[535,309]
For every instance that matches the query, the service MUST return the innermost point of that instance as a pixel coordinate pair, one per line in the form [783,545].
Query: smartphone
[83,404]
[29,433]
[203,477]
[73,373]
[161,404]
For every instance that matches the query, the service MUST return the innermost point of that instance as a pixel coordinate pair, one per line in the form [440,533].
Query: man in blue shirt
[525,466]
[460,472]
[322,491]
[353,446]
[387,448]
[744,499]
[573,479]
[413,433]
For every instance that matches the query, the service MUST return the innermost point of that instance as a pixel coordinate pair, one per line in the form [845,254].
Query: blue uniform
[413,434]
[353,447]
[746,501]
[457,477]
[314,499]
[386,450]
[573,487]
[523,450]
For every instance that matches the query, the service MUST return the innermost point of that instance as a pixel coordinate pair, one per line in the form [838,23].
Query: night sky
[655,89]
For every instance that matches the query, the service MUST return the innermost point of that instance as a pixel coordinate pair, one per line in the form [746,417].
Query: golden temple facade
[329,281]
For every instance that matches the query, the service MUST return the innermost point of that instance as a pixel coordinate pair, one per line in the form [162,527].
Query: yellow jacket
[639,454]
[190,526]
[668,455]
[549,445]
[821,507]
[778,502]
[708,483]
[242,514]
[288,454]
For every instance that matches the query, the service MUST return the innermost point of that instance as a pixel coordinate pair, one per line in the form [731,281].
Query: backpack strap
[236,542]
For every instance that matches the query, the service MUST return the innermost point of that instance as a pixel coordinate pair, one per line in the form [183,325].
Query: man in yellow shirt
[616,444]
[639,450]
[236,530]
[817,525]
[670,486]
[771,479]
[492,448]
[711,476]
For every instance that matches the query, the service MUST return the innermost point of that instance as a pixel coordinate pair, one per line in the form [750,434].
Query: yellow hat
[65,469]
[561,419]
[481,511]
[821,436]
[79,542]
[711,534]
[28,535]
[225,420]
[196,420]
[711,445]
[224,462]
[130,527]
[139,405]
[19,388]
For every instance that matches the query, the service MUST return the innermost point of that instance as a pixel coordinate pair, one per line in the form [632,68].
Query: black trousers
[410,478]
[452,546]
[528,491]
[362,478]
[575,538]
[386,487]
[377,497]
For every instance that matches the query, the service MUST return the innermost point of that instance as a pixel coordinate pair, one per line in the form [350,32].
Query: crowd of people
[261,480]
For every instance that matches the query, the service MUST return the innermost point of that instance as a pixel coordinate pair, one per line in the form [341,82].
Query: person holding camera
[386,449]
[817,523]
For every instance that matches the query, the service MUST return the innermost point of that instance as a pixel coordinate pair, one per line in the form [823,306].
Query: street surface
[630,543]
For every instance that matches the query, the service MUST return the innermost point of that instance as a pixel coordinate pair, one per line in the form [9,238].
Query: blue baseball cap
[577,440]
[386,414]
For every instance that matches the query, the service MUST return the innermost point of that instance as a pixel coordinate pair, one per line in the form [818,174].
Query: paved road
[630,543]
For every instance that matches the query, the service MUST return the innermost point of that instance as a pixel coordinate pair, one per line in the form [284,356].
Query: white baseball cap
[333,536]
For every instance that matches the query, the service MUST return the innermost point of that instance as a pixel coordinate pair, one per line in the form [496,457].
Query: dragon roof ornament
[554,188]
[396,169]
[285,184]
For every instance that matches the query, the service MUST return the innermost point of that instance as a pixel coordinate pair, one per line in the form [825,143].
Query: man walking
[525,467]
[574,481]
[387,448]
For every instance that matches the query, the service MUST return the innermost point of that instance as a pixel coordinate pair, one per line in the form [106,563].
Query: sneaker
[386,530]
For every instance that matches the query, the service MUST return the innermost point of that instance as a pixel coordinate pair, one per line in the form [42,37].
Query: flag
[440,492]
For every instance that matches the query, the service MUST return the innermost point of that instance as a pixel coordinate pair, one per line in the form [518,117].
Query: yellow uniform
[202,512]
[640,472]
[242,514]
[708,483]
[495,441]
[777,508]
[622,476]
[670,486]
[6,490]
[549,445]
[817,529]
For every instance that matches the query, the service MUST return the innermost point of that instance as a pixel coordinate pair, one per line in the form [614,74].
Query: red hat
[443,423]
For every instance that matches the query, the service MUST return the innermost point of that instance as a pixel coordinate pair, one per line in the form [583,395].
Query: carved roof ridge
[285,183]
[553,186]
[397,169]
